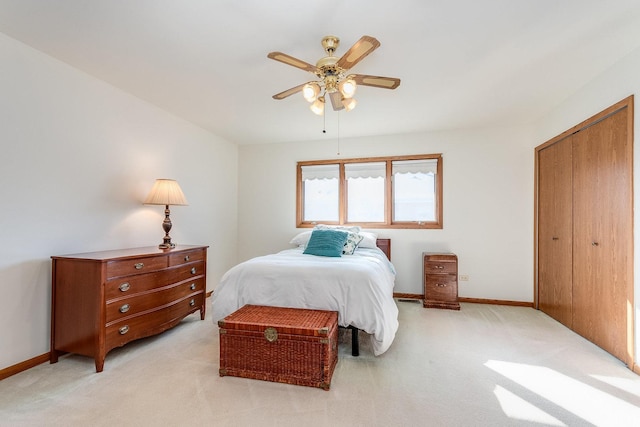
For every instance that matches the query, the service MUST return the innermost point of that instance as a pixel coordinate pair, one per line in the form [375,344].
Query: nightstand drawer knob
[124,308]
[123,330]
[193,286]
[193,270]
[124,287]
[192,303]
[138,265]
[186,257]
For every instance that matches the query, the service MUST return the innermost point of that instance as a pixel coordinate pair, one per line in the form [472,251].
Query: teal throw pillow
[326,243]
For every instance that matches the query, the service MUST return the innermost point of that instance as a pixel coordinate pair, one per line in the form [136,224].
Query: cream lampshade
[166,192]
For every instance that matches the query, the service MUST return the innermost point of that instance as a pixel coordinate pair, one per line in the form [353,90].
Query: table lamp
[166,192]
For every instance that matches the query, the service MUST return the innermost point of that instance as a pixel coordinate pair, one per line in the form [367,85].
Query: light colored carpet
[482,366]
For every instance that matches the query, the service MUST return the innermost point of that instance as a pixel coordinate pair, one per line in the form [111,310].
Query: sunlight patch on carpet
[582,400]
[517,408]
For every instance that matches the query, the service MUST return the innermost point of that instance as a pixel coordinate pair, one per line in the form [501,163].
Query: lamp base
[166,245]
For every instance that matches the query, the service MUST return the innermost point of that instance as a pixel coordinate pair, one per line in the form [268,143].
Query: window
[393,192]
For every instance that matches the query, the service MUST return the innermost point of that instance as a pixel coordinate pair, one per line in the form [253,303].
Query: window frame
[388,197]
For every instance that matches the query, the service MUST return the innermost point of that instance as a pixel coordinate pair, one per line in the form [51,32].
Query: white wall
[79,156]
[617,83]
[488,204]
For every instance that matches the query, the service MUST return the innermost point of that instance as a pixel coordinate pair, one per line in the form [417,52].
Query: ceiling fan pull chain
[338,153]
[324,123]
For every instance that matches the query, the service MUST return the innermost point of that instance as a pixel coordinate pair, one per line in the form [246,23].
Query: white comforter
[359,287]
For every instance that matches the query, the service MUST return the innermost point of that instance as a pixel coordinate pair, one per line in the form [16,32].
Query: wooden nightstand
[440,280]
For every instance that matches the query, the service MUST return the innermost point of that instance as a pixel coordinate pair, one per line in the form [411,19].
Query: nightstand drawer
[442,267]
[441,287]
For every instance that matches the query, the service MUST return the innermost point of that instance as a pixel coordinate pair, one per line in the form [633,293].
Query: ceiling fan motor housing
[330,44]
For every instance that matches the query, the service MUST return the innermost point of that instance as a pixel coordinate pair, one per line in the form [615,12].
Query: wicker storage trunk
[287,345]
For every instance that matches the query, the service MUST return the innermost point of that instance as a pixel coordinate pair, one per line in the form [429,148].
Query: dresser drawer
[147,324]
[186,257]
[445,267]
[129,266]
[126,307]
[123,287]
[441,287]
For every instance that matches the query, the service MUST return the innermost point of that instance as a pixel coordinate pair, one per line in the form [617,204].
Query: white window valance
[416,166]
[320,172]
[365,170]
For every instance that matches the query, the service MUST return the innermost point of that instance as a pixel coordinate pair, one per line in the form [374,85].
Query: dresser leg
[202,311]
[99,364]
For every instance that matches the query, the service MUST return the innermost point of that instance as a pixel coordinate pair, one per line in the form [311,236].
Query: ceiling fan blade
[357,52]
[336,101]
[289,92]
[295,62]
[376,81]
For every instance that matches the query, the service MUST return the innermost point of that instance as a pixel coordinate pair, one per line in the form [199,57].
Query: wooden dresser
[103,300]
[440,280]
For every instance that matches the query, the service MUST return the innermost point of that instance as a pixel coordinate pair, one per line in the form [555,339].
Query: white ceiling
[463,63]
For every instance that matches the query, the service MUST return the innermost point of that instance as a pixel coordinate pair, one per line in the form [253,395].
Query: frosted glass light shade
[310,91]
[349,103]
[166,192]
[318,106]
[348,88]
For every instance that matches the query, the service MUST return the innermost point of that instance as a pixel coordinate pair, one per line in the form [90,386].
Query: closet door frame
[627,104]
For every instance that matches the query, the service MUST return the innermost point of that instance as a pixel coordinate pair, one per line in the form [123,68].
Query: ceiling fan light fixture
[310,91]
[349,103]
[318,106]
[347,87]
[332,77]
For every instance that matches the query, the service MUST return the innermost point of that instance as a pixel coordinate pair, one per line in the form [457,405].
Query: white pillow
[351,228]
[301,239]
[369,239]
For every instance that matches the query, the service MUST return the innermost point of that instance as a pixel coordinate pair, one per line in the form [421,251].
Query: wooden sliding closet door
[602,234]
[584,229]
[555,231]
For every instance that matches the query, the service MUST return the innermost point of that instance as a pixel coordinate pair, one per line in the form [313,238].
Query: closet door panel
[602,234]
[555,231]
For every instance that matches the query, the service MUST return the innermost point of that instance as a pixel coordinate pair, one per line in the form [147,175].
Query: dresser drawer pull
[438,267]
[193,270]
[123,330]
[186,257]
[124,308]
[441,285]
[193,286]
[192,303]
[139,265]
[124,287]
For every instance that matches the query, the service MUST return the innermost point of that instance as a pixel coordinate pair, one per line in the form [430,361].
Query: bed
[358,286]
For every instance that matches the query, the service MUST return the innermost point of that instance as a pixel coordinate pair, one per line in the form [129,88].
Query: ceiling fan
[332,72]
